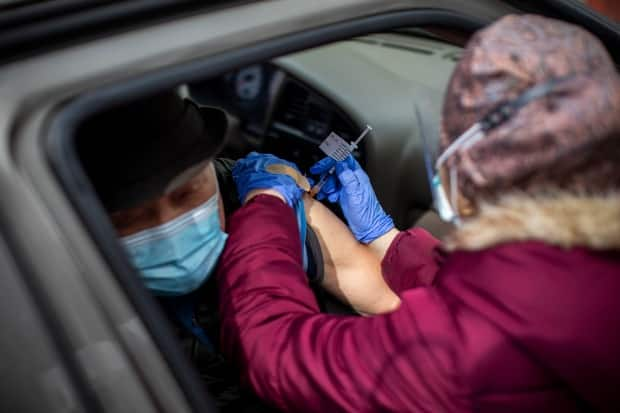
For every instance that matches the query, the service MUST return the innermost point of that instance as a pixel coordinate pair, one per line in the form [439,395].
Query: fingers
[256,161]
[333,197]
[346,175]
[252,173]
[346,172]
[329,190]
[330,186]
[322,166]
[352,163]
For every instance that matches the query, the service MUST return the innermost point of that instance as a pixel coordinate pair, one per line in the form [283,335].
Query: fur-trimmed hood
[562,219]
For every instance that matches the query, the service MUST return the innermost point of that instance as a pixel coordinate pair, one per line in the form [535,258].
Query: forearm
[352,271]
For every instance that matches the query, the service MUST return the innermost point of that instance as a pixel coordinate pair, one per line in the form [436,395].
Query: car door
[107,346]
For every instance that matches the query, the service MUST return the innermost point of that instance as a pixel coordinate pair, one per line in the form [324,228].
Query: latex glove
[351,188]
[249,174]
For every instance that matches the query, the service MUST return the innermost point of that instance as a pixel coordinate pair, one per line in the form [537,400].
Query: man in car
[523,314]
[152,163]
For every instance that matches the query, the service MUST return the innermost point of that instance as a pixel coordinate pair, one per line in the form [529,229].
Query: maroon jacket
[514,328]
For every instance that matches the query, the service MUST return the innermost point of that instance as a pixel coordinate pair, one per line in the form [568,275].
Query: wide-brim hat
[132,153]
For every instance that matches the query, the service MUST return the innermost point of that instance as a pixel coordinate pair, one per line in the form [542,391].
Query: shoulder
[228,191]
[532,289]
[533,263]
[525,303]
[504,270]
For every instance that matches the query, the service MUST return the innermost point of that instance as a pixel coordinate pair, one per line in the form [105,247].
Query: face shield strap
[454,186]
[440,202]
[470,137]
[498,116]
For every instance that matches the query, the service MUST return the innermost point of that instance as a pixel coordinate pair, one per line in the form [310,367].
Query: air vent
[294,103]
[306,115]
[293,108]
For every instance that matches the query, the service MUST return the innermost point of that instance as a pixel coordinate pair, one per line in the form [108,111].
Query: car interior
[288,105]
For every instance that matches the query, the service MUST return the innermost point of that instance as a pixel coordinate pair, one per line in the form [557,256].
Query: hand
[250,176]
[351,188]
[331,188]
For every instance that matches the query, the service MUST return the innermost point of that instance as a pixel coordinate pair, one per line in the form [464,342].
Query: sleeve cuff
[412,260]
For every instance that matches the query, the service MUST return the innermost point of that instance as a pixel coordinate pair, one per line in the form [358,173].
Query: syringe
[338,149]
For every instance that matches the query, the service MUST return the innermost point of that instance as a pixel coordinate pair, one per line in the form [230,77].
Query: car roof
[24,23]
[60,22]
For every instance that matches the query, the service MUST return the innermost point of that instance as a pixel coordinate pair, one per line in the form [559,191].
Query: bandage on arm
[352,270]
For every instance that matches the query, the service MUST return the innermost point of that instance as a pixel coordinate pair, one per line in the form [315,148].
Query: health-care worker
[523,313]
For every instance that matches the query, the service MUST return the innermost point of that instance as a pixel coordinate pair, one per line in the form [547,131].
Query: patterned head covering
[569,139]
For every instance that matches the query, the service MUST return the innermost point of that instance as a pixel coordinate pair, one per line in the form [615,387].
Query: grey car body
[79,331]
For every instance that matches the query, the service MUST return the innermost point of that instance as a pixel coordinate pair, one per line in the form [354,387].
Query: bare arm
[352,270]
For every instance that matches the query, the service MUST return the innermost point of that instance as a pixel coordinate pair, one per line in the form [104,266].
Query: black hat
[133,152]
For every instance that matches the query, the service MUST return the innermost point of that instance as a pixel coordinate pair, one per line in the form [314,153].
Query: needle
[362,136]
[317,188]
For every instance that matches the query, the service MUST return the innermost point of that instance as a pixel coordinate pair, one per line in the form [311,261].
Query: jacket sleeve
[412,260]
[304,361]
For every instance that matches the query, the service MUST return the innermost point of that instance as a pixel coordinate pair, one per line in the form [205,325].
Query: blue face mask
[177,257]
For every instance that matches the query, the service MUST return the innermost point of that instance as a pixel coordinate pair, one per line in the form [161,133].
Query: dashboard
[287,106]
[277,113]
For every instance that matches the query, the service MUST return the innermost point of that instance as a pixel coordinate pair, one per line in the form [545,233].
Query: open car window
[287,106]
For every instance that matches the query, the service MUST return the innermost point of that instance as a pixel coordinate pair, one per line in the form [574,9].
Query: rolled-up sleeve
[304,361]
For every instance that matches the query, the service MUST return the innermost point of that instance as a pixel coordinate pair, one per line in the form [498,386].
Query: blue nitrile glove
[331,187]
[249,173]
[351,188]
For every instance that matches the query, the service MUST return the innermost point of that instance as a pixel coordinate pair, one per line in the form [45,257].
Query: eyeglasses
[445,206]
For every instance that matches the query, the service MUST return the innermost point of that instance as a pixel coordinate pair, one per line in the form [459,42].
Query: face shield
[446,204]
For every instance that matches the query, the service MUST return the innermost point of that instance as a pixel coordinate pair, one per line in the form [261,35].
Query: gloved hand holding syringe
[338,149]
